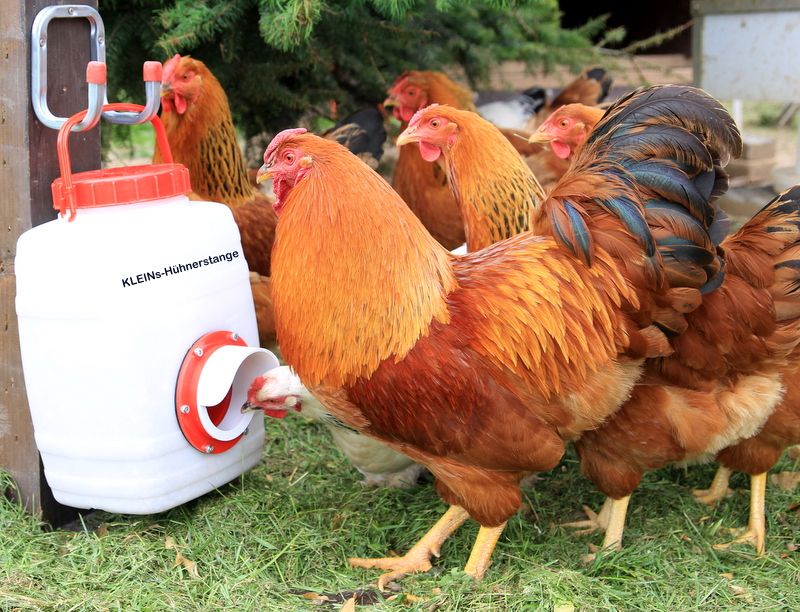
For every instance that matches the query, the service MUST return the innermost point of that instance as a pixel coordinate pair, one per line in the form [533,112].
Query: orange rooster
[424,187]
[724,379]
[481,367]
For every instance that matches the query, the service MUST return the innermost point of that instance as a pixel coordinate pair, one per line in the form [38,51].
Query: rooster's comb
[170,66]
[399,83]
[418,115]
[280,138]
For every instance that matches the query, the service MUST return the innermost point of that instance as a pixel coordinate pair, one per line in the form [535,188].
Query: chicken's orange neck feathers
[484,168]
[204,140]
[356,277]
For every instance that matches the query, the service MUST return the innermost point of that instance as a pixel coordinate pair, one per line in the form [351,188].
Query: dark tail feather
[590,88]
[645,184]
[538,98]
[362,132]
[601,76]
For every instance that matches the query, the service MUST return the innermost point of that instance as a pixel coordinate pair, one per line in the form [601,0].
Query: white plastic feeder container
[138,338]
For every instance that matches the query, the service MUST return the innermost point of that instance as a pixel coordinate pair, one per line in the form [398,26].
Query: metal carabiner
[97,91]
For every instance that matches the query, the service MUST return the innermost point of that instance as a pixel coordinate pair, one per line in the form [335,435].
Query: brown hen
[424,187]
[202,137]
[201,134]
[730,345]
[761,245]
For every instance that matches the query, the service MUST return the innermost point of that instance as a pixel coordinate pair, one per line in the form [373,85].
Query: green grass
[288,526]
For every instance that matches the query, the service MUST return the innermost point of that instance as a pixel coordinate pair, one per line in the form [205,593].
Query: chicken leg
[418,558]
[616,523]
[718,490]
[756,531]
[614,512]
[481,556]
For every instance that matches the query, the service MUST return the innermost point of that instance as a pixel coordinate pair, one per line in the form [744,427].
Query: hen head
[567,128]
[286,163]
[435,128]
[275,393]
[407,95]
[181,83]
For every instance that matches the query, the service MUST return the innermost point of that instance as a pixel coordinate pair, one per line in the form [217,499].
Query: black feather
[368,134]
[601,76]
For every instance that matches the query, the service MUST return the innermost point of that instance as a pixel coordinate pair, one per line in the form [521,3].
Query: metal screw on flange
[185,409]
[234,336]
[198,351]
[208,449]
[246,431]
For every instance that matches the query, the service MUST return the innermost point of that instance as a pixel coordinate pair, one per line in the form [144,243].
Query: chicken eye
[412,92]
[564,123]
[290,157]
[186,76]
[434,123]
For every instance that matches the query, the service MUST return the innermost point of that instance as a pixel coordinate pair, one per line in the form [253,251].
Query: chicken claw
[611,520]
[755,534]
[718,490]
[595,521]
[418,558]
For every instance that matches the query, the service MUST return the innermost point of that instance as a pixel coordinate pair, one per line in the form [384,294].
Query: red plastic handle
[62,145]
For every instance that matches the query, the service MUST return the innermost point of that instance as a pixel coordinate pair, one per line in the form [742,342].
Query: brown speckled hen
[424,186]
[202,137]
[201,134]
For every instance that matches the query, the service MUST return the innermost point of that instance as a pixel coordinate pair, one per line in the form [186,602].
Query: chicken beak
[408,136]
[248,407]
[264,174]
[540,138]
[165,88]
[389,102]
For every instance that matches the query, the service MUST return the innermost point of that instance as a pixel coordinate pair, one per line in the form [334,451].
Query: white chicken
[280,390]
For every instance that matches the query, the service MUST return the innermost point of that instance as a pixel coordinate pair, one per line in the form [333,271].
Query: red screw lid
[113,186]
[125,185]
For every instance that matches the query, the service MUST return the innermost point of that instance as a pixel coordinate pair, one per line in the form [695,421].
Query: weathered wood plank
[28,164]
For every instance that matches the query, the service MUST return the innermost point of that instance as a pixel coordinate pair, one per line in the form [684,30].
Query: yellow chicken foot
[718,490]
[616,510]
[594,521]
[481,556]
[756,531]
[418,558]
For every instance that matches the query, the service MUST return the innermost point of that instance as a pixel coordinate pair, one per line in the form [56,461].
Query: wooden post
[28,165]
